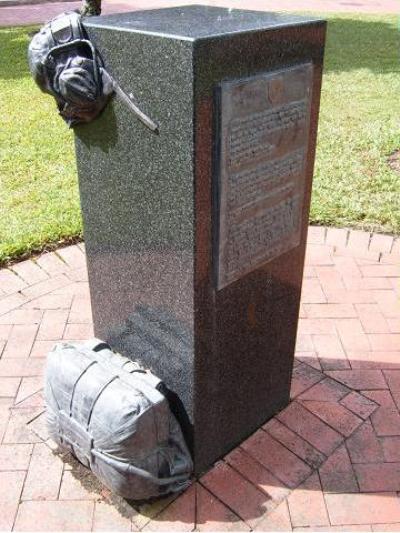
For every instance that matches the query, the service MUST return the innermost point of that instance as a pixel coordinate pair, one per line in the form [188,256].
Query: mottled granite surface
[196,21]
[148,204]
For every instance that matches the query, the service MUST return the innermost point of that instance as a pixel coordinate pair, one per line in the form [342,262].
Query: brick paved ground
[329,461]
[39,13]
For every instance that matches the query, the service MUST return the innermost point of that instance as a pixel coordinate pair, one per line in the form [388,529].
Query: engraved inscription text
[264,127]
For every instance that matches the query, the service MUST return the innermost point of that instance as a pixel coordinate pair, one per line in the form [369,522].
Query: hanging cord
[127,99]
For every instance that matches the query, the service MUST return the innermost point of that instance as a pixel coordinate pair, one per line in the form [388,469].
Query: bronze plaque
[262,147]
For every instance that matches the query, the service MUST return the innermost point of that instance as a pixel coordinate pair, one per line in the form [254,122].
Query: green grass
[39,201]
[359,125]
[359,128]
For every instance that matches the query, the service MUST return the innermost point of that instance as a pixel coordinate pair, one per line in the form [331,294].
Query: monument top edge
[192,22]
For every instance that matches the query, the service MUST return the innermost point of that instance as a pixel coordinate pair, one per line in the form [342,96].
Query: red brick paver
[329,462]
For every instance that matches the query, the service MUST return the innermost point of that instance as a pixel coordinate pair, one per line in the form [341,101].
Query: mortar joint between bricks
[347,237]
[60,257]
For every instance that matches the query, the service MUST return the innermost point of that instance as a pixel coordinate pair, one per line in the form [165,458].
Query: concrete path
[330,461]
[39,13]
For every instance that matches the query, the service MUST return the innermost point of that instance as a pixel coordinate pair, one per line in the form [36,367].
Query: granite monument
[195,231]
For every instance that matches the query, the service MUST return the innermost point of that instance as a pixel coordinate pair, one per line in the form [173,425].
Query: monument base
[195,235]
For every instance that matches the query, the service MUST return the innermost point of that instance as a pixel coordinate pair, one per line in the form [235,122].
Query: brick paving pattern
[329,461]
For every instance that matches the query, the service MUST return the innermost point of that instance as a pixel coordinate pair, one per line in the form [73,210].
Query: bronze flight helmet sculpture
[65,64]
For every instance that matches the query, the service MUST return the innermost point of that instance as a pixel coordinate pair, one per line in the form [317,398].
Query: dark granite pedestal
[195,235]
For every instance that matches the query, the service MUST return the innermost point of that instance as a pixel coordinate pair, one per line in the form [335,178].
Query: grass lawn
[359,125]
[39,201]
[359,128]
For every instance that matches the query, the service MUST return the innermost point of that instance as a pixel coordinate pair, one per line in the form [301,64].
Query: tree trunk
[90,8]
